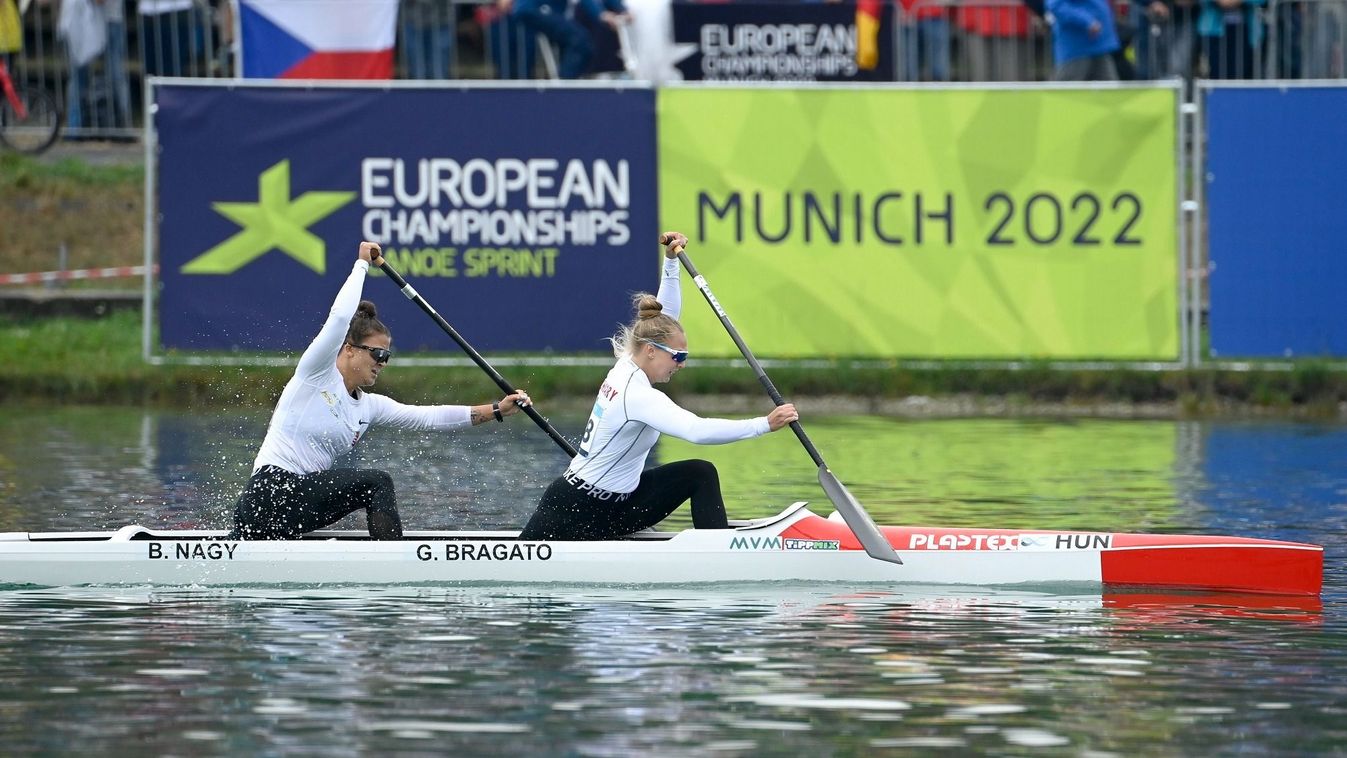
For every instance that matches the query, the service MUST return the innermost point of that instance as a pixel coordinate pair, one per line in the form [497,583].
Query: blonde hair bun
[647,307]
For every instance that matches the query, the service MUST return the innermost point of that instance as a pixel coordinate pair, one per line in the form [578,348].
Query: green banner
[888,223]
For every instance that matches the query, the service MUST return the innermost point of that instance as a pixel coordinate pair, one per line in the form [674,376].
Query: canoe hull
[794,547]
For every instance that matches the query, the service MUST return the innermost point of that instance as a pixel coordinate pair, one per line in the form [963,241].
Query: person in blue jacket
[1084,39]
[553,20]
[1233,36]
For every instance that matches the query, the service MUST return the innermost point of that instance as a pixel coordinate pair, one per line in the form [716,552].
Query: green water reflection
[1095,474]
[92,468]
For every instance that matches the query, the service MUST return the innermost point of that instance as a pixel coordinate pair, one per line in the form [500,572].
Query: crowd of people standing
[1104,40]
[1216,39]
[108,44]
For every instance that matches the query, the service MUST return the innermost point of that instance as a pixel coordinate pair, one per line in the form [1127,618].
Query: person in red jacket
[924,38]
[998,42]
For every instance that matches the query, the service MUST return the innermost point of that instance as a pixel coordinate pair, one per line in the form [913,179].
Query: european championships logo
[275,222]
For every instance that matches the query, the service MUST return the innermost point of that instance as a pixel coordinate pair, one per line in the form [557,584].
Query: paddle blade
[860,522]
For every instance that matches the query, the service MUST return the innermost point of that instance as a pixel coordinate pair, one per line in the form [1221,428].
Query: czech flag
[317,39]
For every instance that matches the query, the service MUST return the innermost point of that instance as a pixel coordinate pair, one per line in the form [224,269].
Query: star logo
[682,51]
[274,222]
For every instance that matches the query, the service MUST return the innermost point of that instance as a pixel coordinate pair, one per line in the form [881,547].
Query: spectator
[1290,34]
[1323,44]
[1084,40]
[510,49]
[428,38]
[1148,20]
[223,62]
[553,20]
[997,39]
[1122,57]
[94,29]
[1232,36]
[83,26]
[167,36]
[1164,37]
[11,30]
[1183,57]
[114,62]
[924,26]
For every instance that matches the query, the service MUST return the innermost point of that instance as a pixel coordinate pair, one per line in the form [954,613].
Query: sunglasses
[380,354]
[678,355]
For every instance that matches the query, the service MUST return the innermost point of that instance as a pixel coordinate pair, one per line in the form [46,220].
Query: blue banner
[1275,186]
[525,216]
[777,41]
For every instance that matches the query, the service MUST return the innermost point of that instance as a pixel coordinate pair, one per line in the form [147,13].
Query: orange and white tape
[38,277]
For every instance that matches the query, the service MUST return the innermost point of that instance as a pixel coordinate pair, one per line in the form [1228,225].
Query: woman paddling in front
[323,412]
[606,492]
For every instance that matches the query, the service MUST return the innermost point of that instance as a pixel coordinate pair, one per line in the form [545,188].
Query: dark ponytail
[364,323]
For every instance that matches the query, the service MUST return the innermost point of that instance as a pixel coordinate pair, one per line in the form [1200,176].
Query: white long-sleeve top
[629,415]
[316,419]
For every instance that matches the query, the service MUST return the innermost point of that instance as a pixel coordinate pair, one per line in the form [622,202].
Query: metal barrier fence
[94,57]
[977,41]
[95,61]
[1311,40]
[1285,39]
[971,41]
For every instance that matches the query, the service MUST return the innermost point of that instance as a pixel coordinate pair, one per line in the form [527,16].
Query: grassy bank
[69,360]
[95,212]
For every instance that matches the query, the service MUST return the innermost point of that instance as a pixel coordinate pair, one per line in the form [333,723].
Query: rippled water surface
[750,669]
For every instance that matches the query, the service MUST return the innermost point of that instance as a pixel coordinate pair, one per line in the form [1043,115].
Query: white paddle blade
[860,522]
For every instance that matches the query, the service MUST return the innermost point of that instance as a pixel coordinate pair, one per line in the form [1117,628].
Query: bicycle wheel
[38,130]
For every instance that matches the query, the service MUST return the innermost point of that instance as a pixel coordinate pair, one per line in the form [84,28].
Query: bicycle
[30,119]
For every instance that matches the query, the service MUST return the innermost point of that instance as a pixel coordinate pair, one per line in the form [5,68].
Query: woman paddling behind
[323,412]
[605,492]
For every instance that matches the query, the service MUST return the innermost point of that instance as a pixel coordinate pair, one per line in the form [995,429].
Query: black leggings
[280,505]
[566,512]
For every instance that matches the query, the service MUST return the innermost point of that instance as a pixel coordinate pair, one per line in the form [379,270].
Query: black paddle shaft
[851,510]
[748,356]
[476,357]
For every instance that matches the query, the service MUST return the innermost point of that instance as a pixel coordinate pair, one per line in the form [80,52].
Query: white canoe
[794,546]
